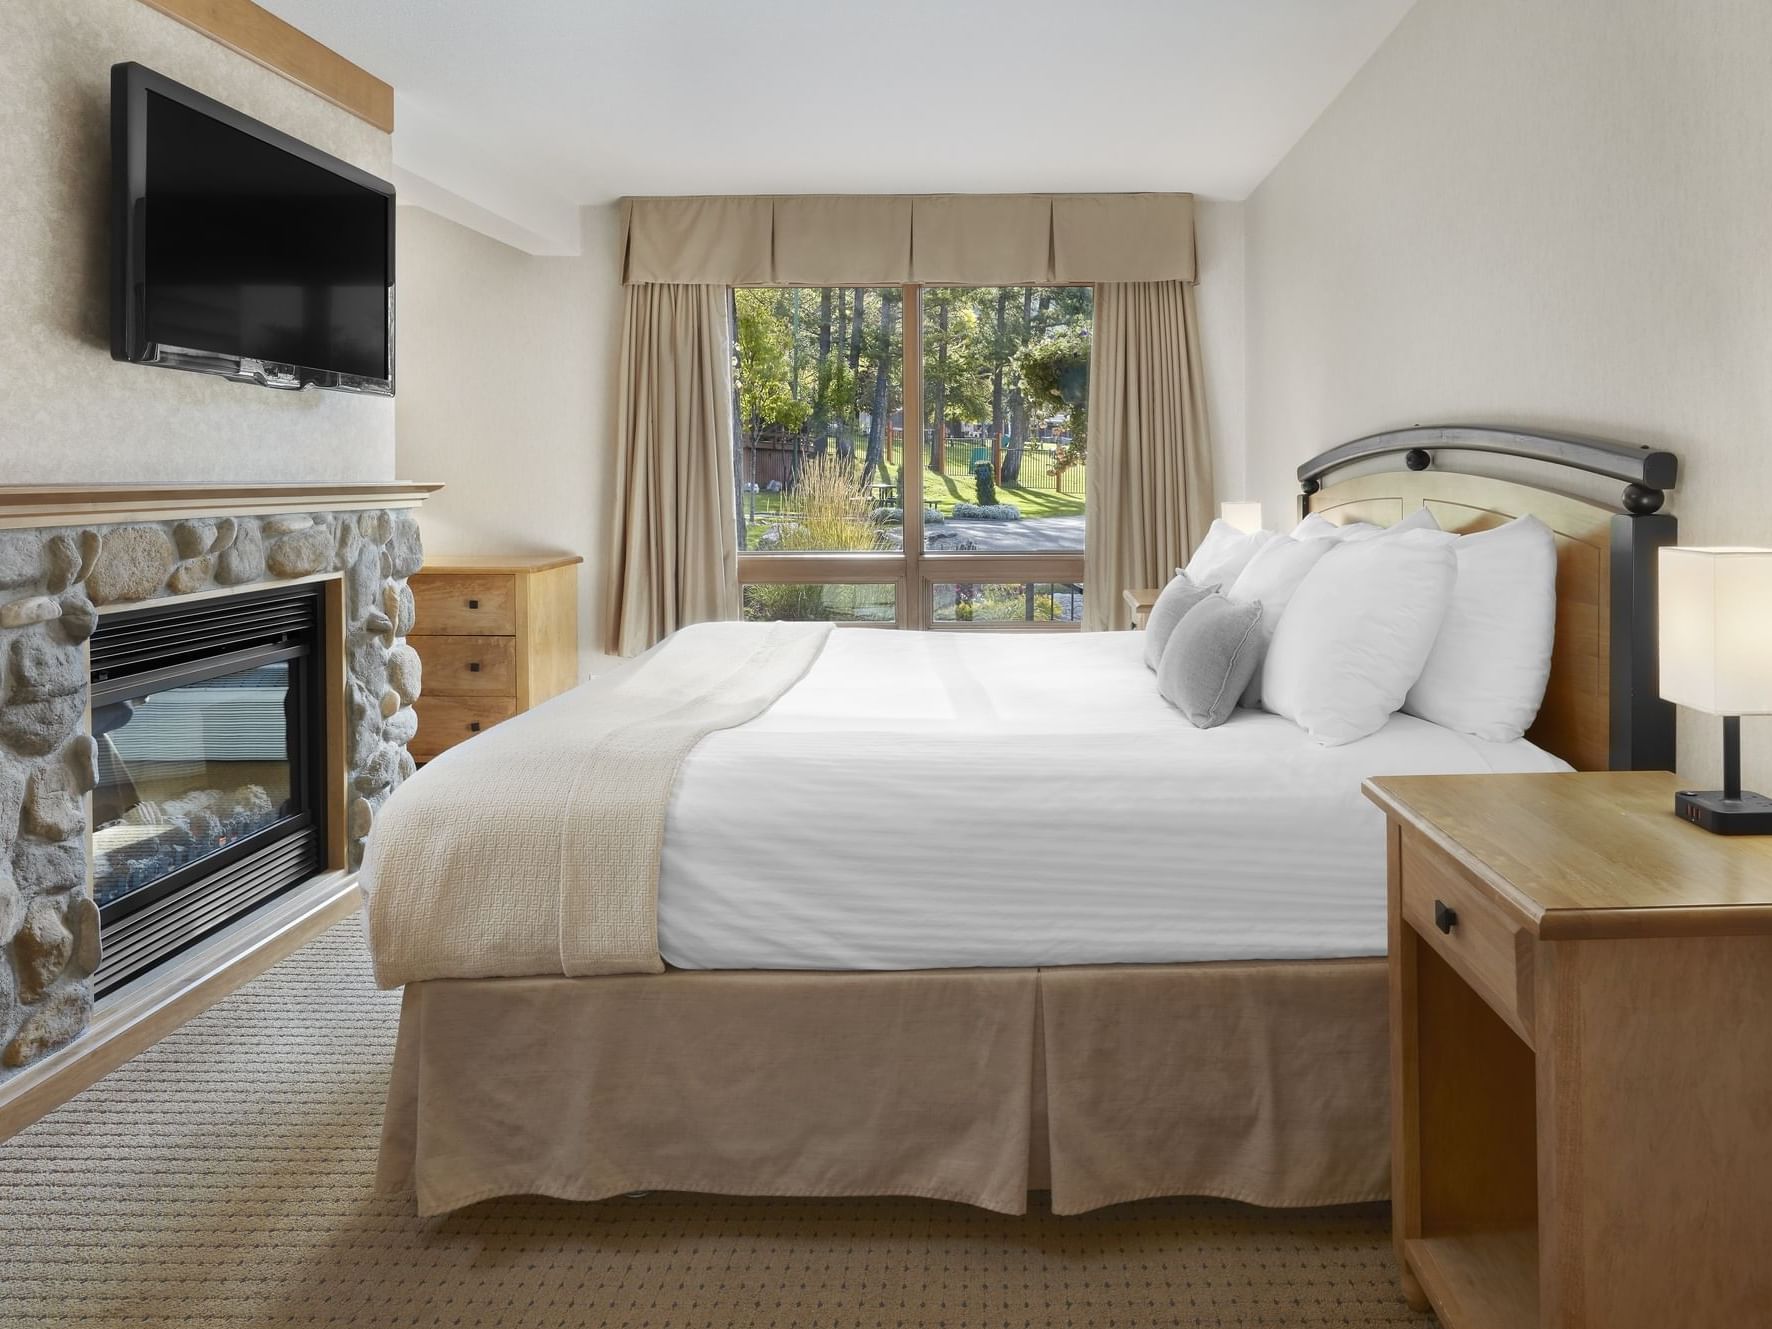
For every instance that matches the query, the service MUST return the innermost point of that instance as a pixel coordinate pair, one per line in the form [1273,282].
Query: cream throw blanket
[534,849]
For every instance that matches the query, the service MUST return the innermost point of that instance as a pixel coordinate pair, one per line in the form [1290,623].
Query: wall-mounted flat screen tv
[238,250]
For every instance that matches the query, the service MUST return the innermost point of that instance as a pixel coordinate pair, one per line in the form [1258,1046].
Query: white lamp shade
[1715,609]
[1245,516]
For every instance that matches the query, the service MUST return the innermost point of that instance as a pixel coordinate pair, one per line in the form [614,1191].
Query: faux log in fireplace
[209,720]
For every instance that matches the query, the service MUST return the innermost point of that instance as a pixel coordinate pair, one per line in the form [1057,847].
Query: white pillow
[1318,527]
[1488,668]
[1269,580]
[1419,520]
[1357,632]
[1224,553]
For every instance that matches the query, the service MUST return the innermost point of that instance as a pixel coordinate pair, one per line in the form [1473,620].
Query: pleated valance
[889,239]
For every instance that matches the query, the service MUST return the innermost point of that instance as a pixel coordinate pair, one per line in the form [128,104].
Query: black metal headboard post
[1641,731]
[1641,725]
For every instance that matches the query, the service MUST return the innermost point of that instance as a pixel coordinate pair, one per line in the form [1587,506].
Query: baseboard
[141,1013]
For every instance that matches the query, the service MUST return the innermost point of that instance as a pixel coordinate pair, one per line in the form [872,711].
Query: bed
[1151,963]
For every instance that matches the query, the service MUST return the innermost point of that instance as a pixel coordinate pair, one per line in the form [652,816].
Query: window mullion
[911,455]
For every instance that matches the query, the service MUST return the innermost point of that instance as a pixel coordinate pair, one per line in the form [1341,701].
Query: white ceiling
[525,109]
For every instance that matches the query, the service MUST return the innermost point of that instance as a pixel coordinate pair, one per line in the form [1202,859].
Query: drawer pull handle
[473,666]
[473,726]
[473,604]
[1445,919]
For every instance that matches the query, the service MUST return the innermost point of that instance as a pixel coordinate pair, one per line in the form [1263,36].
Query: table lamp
[1715,608]
[1245,516]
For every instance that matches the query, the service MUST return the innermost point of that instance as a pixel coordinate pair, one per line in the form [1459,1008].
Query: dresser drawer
[467,666]
[465,604]
[1477,936]
[445,721]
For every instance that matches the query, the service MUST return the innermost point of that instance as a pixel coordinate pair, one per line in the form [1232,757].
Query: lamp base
[1750,814]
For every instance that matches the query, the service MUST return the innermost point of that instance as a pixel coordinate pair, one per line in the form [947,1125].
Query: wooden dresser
[1581,1054]
[496,633]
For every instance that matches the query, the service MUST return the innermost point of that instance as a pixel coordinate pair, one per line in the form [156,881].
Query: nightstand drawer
[445,721]
[467,666]
[1474,933]
[471,604]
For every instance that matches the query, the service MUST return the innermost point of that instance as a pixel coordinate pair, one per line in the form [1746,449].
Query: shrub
[770,602]
[995,512]
[832,511]
[895,517]
[986,484]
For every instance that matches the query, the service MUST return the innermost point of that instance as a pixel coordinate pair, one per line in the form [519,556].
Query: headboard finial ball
[1310,486]
[1641,500]
[1418,459]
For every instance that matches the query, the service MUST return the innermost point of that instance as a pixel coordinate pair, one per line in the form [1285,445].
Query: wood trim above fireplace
[260,35]
[74,505]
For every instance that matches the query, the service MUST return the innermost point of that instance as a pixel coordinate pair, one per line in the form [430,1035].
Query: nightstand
[1581,1054]
[496,634]
[1138,605]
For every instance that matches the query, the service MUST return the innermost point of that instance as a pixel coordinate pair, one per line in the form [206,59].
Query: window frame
[913,570]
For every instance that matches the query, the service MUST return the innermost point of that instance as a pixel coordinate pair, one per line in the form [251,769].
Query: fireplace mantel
[75,505]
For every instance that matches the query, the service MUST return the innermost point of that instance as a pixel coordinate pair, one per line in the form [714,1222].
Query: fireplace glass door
[207,802]
[187,772]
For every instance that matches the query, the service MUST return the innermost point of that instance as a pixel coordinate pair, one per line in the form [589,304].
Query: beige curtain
[1150,460]
[676,544]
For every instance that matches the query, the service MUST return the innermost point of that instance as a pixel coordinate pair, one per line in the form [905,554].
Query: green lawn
[941,491]
[959,487]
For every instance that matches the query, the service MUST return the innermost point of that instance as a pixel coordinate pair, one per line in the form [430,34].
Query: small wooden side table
[1581,1054]
[1138,605]
[497,634]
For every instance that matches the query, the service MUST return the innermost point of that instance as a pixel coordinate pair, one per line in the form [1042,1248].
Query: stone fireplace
[242,725]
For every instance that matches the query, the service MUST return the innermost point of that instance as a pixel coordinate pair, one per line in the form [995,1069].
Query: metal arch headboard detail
[1640,725]
[1648,472]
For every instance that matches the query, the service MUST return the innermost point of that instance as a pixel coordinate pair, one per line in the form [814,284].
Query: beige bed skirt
[1262,1081]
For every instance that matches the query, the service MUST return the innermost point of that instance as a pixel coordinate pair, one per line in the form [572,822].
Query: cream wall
[507,393]
[1540,214]
[68,412]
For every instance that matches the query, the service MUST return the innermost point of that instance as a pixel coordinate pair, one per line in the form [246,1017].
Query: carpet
[224,1177]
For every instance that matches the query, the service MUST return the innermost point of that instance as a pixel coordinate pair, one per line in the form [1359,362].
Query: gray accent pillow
[1210,658]
[1179,596]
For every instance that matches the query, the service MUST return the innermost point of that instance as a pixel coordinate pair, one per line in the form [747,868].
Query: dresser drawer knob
[1445,919]
[473,604]
[473,726]
[473,666]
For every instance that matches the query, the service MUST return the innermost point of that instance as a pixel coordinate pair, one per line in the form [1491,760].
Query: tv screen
[242,251]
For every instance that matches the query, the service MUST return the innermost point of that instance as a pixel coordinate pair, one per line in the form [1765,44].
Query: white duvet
[924,800]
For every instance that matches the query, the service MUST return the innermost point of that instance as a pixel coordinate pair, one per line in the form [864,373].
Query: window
[1005,413]
[973,515]
[834,602]
[1030,602]
[820,414]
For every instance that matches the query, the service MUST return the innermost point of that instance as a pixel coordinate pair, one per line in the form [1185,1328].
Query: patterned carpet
[224,1178]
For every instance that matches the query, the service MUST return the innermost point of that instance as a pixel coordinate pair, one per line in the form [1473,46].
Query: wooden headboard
[1602,709]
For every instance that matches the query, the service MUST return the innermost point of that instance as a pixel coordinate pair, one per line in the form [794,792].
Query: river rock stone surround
[52,582]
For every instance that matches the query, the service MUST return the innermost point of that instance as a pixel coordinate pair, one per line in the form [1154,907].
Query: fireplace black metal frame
[160,646]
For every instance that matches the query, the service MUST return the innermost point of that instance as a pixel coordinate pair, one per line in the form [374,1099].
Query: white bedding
[926,800]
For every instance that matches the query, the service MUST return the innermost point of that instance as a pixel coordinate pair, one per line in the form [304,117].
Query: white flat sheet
[932,800]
